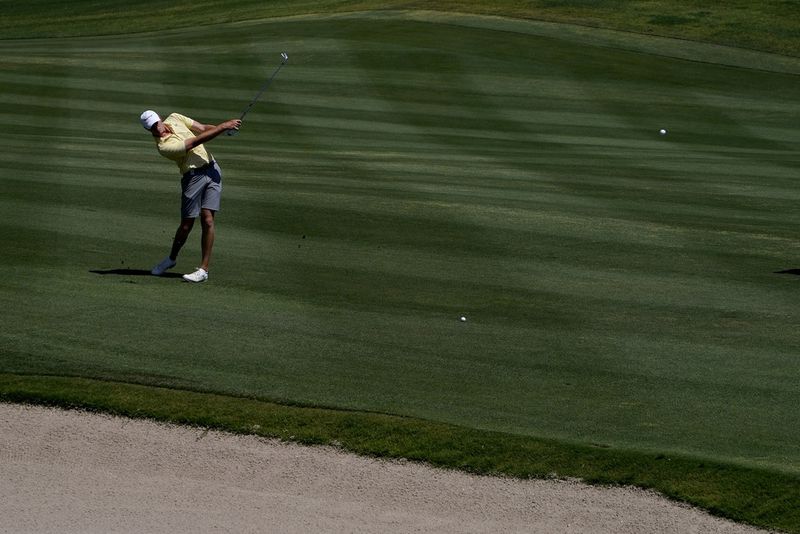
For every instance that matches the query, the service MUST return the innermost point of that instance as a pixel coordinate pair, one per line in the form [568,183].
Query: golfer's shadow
[134,272]
[795,272]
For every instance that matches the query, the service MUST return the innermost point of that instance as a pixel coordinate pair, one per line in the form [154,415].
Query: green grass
[405,169]
[770,25]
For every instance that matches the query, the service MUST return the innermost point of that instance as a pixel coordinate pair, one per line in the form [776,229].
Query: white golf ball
[463,319]
[662,131]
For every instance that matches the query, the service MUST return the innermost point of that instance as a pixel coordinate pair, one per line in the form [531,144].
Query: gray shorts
[201,188]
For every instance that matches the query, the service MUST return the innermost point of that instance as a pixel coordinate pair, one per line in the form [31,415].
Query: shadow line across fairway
[133,272]
[795,272]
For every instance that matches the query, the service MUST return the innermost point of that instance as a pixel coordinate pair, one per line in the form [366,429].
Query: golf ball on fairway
[662,131]
[463,319]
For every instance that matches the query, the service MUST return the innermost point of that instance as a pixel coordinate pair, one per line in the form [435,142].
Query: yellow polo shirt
[173,146]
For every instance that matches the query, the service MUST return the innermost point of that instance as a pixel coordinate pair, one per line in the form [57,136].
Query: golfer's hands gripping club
[232,126]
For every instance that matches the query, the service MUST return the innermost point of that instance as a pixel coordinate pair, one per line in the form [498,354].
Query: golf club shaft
[260,92]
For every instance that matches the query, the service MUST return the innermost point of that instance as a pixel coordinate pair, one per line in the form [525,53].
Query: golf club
[284,59]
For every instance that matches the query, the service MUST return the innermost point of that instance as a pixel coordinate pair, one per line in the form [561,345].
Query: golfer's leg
[181,234]
[207,220]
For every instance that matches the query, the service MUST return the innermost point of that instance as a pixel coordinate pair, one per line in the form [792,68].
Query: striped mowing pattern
[619,286]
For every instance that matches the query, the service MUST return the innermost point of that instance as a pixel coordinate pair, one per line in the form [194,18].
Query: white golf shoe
[163,266]
[200,275]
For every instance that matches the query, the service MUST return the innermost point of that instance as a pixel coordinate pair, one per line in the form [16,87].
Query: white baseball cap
[149,118]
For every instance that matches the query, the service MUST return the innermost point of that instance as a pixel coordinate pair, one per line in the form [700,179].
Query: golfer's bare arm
[199,127]
[207,132]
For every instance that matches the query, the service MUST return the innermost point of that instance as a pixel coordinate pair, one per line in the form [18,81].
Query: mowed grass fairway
[623,290]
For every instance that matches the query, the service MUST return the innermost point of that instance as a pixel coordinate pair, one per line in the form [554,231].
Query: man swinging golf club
[182,140]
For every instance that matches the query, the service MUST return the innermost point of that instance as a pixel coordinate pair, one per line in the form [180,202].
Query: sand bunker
[67,471]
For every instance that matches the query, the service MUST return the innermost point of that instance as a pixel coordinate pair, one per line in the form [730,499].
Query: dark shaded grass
[768,25]
[761,498]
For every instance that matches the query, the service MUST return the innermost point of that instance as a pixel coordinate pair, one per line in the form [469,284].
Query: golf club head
[284,58]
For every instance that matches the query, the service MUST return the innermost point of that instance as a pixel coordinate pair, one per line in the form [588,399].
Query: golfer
[182,140]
